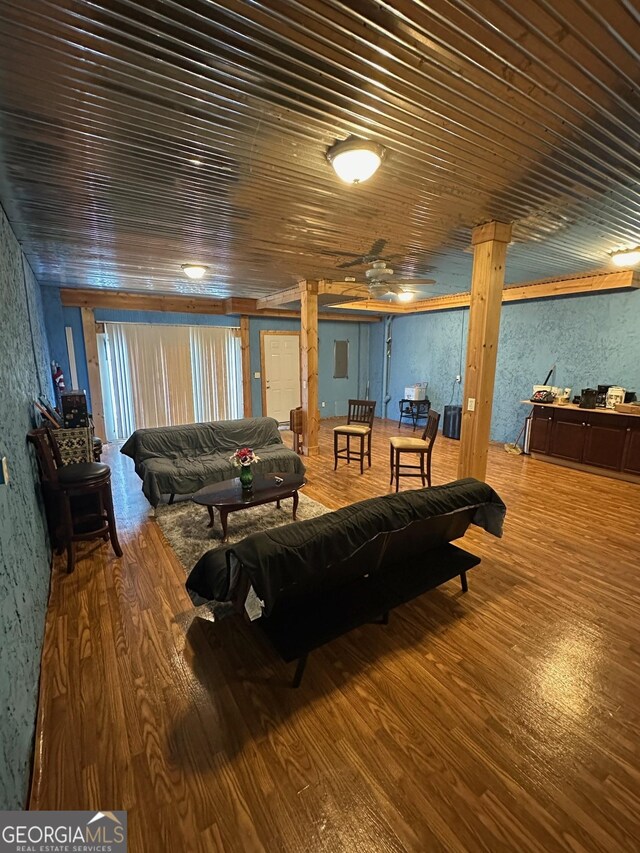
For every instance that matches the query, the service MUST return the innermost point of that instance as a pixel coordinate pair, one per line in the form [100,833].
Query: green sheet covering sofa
[317,579]
[179,460]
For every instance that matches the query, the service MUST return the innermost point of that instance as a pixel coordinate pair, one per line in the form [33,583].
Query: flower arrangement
[243,457]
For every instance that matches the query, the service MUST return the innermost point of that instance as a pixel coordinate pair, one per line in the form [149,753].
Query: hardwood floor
[504,719]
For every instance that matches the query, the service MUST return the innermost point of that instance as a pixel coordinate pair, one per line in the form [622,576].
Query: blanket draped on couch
[182,459]
[297,559]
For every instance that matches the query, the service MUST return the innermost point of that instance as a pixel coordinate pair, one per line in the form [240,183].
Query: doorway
[280,364]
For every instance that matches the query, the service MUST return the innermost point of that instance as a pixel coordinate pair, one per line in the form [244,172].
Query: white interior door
[281,374]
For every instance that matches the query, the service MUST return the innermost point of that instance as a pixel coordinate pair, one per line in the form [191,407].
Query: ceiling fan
[380,283]
[374,254]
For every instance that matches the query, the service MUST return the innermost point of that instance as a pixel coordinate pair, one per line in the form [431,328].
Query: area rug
[184,524]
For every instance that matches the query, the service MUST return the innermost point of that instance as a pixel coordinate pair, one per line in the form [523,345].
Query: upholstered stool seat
[402,443]
[353,429]
[359,424]
[82,472]
[398,444]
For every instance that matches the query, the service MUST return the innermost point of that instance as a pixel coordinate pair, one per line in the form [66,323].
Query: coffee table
[229,496]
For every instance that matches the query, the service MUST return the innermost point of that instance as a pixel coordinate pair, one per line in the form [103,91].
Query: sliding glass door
[160,375]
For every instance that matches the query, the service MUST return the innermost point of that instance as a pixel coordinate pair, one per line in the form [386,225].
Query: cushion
[81,472]
[402,443]
[353,429]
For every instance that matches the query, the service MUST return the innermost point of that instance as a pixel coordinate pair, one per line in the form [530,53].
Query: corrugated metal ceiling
[520,110]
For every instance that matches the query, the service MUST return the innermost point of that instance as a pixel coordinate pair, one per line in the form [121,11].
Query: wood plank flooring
[506,719]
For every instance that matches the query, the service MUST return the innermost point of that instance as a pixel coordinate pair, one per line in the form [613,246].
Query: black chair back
[431,428]
[361,412]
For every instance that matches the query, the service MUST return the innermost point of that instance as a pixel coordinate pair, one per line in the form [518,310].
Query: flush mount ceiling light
[355,160]
[195,271]
[626,257]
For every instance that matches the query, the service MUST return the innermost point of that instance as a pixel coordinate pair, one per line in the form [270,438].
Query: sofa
[319,578]
[179,460]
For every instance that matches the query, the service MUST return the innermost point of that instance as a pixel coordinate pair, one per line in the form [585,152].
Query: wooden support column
[309,366]
[93,369]
[246,365]
[487,281]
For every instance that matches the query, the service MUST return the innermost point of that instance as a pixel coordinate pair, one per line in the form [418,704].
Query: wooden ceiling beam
[282,297]
[234,306]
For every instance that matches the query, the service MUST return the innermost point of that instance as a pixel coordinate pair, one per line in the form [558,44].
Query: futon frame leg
[171,498]
[463,581]
[297,678]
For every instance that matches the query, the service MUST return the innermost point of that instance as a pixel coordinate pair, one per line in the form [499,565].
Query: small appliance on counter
[615,395]
[588,398]
[601,396]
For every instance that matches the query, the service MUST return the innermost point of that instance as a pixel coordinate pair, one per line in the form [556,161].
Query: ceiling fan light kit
[194,271]
[355,160]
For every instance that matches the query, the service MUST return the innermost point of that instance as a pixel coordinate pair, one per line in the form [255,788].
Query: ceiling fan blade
[355,263]
[376,248]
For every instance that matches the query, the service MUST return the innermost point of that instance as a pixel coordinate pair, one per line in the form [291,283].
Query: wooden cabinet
[631,455]
[591,437]
[568,435]
[540,429]
[605,441]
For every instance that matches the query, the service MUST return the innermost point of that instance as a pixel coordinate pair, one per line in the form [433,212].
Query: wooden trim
[93,370]
[245,351]
[309,367]
[263,389]
[125,301]
[487,282]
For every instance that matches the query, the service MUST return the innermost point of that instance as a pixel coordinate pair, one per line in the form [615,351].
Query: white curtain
[162,375]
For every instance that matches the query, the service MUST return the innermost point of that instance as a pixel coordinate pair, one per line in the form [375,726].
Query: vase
[246,478]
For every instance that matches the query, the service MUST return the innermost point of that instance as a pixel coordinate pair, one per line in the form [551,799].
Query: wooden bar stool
[77,498]
[422,446]
[359,424]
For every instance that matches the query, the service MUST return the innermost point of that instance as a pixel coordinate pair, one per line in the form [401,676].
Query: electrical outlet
[458,378]
[471,404]
[323,404]
[4,472]
[256,375]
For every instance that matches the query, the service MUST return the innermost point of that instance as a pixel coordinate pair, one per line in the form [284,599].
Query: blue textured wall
[24,550]
[593,339]
[334,392]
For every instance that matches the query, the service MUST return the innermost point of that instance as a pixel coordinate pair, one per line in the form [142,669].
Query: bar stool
[359,425]
[77,498]
[422,446]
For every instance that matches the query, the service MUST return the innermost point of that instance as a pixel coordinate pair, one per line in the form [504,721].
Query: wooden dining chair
[359,425]
[398,445]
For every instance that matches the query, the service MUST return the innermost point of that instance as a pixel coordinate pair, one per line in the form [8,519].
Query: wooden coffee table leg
[223,520]
[295,504]
[211,517]
[277,504]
